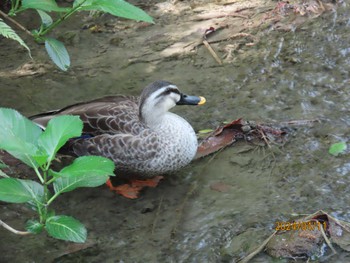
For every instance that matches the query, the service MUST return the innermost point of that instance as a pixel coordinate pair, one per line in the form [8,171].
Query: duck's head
[159,97]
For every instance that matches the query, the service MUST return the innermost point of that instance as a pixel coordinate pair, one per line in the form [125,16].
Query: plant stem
[52,198]
[51,180]
[39,175]
[17,232]
[17,4]
[16,23]
[46,193]
[64,17]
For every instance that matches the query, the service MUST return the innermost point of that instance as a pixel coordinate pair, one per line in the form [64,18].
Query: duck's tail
[42,119]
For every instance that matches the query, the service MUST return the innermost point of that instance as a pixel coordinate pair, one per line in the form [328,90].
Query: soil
[221,207]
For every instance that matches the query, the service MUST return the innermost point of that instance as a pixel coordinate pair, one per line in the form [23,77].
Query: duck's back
[107,115]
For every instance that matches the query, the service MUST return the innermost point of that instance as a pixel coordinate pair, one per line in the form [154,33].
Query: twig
[198,43]
[157,215]
[22,233]
[218,15]
[258,250]
[212,52]
[192,189]
[263,136]
[16,23]
[296,122]
[327,240]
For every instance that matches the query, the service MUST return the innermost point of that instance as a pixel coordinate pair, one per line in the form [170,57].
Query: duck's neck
[154,119]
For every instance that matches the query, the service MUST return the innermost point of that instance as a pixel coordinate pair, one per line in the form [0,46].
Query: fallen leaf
[227,134]
[220,187]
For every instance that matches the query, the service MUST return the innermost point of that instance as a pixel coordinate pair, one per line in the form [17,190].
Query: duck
[140,134]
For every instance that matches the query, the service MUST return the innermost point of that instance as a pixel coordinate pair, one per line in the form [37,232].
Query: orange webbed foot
[132,189]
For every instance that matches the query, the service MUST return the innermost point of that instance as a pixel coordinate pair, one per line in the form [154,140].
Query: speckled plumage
[138,134]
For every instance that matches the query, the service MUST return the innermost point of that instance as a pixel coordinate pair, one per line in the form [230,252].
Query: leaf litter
[307,238]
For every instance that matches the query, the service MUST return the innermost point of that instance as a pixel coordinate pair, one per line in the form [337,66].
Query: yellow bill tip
[202,101]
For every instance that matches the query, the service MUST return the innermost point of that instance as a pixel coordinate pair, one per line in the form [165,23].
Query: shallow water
[300,75]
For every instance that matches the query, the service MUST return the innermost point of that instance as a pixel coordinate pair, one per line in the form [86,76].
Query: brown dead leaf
[306,241]
[220,187]
[227,134]
[296,244]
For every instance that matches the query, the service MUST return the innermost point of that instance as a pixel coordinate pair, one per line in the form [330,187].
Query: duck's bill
[191,100]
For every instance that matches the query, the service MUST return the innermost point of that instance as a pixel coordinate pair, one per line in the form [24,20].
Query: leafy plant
[56,49]
[337,148]
[26,141]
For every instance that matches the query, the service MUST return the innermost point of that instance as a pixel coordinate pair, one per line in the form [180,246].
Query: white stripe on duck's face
[159,103]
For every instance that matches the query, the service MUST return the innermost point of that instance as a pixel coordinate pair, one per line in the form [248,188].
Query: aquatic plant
[36,148]
[56,49]
[337,148]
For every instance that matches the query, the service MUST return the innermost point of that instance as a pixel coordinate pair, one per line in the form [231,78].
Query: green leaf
[337,148]
[2,174]
[66,228]
[45,5]
[205,131]
[45,18]
[58,131]
[34,226]
[8,32]
[117,8]
[85,171]
[20,191]
[58,53]
[2,166]
[19,136]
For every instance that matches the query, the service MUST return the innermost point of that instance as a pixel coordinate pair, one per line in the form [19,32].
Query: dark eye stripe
[168,91]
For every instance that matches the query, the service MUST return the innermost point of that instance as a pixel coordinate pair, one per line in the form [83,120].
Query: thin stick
[192,189]
[22,233]
[327,240]
[258,250]
[16,23]
[212,52]
[157,215]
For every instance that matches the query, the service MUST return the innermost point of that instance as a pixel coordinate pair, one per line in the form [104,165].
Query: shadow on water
[294,75]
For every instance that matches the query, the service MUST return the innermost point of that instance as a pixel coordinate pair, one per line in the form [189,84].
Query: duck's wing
[129,152]
[111,115]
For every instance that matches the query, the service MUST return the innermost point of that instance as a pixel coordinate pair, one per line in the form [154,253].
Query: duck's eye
[168,91]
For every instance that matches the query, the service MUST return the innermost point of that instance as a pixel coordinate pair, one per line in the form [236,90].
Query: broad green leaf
[83,2]
[2,174]
[66,228]
[58,53]
[45,18]
[34,226]
[3,165]
[337,148]
[117,8]
[8,32]
[19,136]
[45,5]
[85,171]
[58,131]
[20,191]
